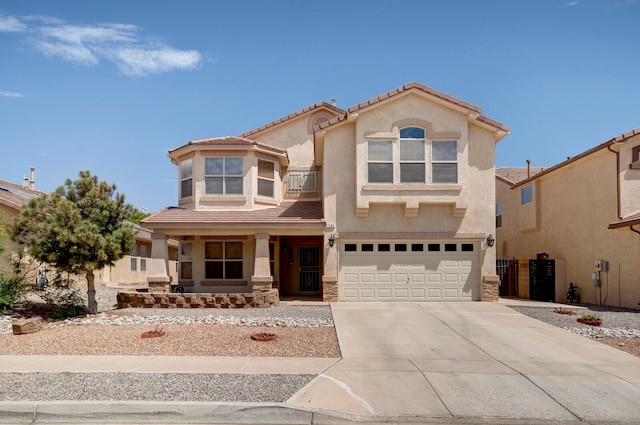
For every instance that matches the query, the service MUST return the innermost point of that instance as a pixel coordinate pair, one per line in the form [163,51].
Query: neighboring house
[12,198]
[389,200]
[133,268]
[585,212]
[129,270]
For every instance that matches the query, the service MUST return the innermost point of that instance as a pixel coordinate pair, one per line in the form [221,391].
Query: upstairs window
[380,161]
[186,178]
[266,178]
[444,161]
[223,175]
[406,159]
[526,194]
[412,158]
[498,214]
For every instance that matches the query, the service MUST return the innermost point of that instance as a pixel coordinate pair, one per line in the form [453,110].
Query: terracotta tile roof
[472,109]
[294,115]
[514,175]
[618,139]
[15,196]
[289,213]
[230,141]
[626,221]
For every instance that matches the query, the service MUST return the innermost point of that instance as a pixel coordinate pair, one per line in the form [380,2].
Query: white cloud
[136,62]
[11,24]
[88,45]
[573,3]
[10,94]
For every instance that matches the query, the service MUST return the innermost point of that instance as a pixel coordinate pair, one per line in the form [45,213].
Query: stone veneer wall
[490,289]
[136,299]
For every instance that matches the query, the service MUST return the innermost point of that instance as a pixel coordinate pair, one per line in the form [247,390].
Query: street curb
[153,412]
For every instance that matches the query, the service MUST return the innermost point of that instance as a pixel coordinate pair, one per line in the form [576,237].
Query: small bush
[591,317]
[12,287]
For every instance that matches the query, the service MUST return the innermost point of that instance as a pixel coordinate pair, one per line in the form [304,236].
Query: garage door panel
[384,278]
[418,293]
[404,276]
[402,293]
[384,293]
[400,278]
[417,278]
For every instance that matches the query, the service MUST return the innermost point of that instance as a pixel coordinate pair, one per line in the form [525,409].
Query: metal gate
[507,269]
[309,270]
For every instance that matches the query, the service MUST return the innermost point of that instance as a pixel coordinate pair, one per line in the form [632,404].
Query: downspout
[618,182]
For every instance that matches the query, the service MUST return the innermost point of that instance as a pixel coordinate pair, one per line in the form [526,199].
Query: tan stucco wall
[629,179]
[296,137]
[345,150]
[575,204]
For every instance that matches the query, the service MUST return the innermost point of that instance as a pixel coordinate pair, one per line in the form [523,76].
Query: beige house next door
[409,271]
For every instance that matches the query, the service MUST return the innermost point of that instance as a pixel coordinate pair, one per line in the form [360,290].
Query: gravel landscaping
[620,327]
[303,331]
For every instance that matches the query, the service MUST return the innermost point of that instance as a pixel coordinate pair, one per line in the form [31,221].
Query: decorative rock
[264,336]
[27,326]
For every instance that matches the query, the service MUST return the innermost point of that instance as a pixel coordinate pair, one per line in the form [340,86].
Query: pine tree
[79,228]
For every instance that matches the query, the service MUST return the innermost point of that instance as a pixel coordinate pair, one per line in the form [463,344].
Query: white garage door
[409,271]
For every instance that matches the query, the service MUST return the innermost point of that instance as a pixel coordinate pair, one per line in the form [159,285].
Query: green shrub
[12,287]
[591,317]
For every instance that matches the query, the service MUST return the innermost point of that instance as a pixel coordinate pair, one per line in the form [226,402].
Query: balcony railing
[301,181]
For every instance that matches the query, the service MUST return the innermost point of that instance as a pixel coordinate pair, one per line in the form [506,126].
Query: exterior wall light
[332,240]
[491,240]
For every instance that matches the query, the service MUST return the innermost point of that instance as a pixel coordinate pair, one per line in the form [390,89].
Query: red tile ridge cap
[293,115]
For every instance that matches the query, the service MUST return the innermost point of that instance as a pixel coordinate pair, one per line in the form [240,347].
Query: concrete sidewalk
[446,363]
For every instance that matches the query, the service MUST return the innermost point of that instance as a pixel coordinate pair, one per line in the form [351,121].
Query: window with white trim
[186,178]
[444,161]
[405,160]
[412,157]
[223,260]
[266,178]
[134,258]
[223,175]
[143,258]
[380,157]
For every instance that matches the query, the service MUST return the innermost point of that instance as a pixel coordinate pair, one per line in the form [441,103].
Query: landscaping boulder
[27,326]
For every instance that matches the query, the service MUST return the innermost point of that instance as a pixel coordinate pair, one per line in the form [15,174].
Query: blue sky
[110,87]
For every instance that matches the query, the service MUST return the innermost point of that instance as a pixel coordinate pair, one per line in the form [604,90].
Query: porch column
[262,279]
[158,276]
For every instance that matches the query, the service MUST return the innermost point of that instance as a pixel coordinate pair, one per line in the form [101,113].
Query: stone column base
[490,288]
[330,288]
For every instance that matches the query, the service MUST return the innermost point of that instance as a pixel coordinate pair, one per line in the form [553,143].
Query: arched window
[412,155]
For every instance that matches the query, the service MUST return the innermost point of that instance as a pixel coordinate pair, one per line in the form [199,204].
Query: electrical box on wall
[597,265]
[605,265]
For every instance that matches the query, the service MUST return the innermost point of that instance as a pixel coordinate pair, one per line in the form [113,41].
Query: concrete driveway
[457,360]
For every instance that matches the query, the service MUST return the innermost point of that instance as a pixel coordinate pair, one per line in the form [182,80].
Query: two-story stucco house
[584,211]
[389,200]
